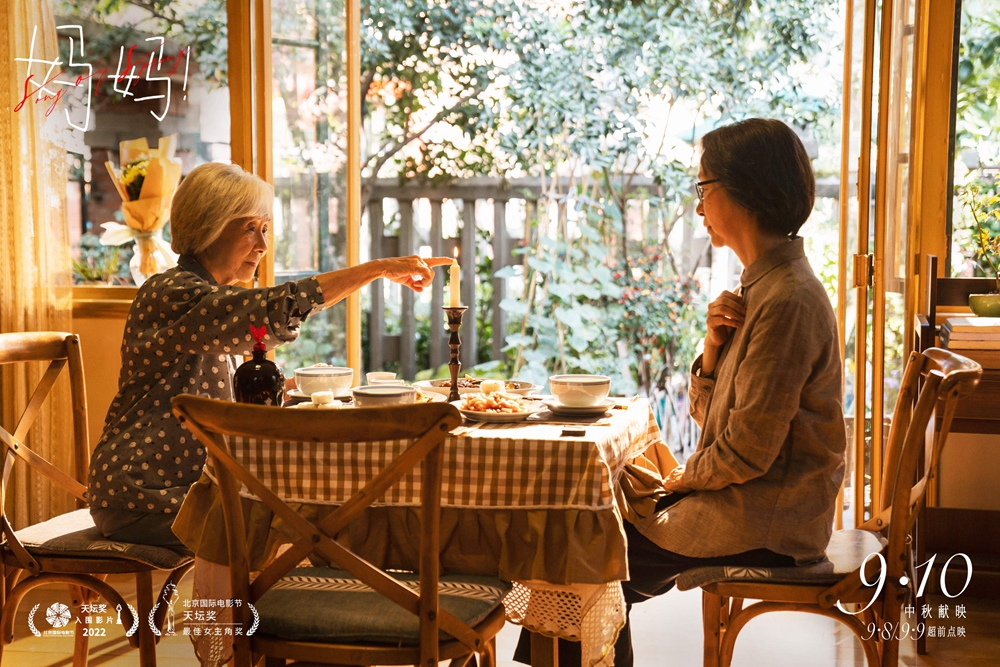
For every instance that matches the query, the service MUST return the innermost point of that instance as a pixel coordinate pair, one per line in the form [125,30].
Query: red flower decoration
[258,334]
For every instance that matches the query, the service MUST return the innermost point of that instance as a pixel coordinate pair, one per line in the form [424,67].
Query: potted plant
[96,264]
[985,207]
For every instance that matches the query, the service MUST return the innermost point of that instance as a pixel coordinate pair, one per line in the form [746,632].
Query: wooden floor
[667,633]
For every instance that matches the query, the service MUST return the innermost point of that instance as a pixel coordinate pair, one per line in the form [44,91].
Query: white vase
[150,257]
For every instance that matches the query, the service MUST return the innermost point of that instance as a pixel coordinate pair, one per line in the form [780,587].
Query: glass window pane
[309,97]
[897,198]
[977,135]
[130,75]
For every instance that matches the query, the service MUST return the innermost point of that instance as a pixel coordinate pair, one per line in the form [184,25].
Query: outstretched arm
[413,272]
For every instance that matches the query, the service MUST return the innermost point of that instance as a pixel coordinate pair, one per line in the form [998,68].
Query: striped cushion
[845,553]
[332,606]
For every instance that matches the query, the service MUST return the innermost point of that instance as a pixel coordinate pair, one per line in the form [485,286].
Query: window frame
[249,57]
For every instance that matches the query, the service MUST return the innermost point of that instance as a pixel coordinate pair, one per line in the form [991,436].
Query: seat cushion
[331,606]
[74,535]
[845,553]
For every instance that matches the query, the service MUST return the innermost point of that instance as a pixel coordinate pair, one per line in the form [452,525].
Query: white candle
[454,300]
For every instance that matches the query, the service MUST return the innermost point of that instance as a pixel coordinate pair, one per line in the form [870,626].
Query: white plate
[524,388]
[494,417]
[558,408]
[432,396]
[336,405]
[300,396]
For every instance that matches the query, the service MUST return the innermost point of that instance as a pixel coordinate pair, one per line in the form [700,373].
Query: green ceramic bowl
[985,305]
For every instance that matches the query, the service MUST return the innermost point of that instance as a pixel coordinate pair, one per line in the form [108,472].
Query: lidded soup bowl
[321,377]
[580,391]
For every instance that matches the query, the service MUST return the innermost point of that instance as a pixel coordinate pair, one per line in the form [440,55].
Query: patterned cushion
[327,605]
[74,535]
[845,553]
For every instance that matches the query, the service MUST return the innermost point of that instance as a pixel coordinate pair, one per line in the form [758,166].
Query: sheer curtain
[35,279]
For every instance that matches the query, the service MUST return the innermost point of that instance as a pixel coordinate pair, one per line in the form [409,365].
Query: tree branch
[147,6]
[383,155]
[366,84]
[620,203]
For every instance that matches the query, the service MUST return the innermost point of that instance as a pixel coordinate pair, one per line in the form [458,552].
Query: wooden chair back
[933,380]
[60,350]
[425,426]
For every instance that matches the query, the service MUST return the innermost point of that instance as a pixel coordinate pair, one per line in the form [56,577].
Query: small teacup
[378,377]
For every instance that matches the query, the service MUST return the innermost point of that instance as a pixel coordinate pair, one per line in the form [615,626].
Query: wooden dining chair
[69,549]
[352,613]
[877,552]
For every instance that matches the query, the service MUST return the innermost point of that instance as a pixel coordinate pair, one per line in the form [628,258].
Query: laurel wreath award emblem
[31,621]
[60,617]
[135,619]
[256,620]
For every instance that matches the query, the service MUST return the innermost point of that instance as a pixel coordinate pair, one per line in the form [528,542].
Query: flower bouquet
[146,182]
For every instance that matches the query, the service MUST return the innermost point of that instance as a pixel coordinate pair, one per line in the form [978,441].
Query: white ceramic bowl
[381,395]
[337,379]
[580,391]
[378,377]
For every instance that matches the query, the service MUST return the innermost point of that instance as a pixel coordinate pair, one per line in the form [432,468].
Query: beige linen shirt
[771,456]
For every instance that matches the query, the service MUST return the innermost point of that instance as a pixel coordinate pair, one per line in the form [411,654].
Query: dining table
[533,502]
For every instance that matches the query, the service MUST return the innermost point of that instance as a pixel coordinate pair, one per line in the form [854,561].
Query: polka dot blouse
[181,336]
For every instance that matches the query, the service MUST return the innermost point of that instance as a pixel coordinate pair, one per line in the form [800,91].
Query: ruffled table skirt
[532,548]
[519,502]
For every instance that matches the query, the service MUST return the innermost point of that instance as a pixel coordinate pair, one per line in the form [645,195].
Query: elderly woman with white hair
[182,333]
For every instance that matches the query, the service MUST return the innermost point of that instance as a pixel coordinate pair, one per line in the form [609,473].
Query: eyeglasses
[700,189]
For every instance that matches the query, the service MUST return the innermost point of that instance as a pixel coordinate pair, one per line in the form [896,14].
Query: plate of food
[319,400]
[430,397]
[496,407]
[471,385]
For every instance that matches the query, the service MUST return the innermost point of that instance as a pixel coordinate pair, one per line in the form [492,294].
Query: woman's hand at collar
[413,271]
[726,314]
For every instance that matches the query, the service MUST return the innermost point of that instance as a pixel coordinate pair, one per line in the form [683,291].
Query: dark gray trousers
[137,527]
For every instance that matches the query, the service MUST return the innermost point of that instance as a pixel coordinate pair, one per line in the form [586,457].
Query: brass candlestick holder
[455,343]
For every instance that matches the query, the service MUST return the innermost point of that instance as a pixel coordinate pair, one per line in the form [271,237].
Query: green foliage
[200,25]
[978,109]
[659,314]
[579,95]
[426,62]
[983,201]
[567,318]
[505,87]
[584,78]
[321,340]
[96,263]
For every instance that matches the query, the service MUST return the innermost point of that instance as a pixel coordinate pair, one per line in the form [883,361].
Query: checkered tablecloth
[487,466]
[525,466]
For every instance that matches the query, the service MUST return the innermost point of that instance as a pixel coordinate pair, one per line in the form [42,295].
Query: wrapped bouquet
[146,182]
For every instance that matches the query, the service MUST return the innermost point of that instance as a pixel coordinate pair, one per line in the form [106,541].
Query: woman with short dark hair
[761,489]
[763,168]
